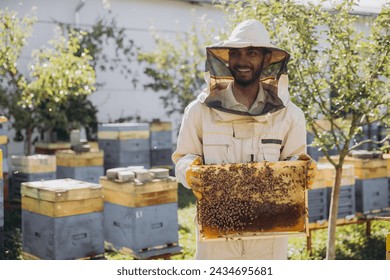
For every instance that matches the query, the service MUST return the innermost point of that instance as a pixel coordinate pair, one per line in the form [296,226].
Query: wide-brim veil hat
[249,33]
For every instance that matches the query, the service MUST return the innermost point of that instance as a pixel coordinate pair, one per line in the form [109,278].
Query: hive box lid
[123,126]
[61,190]
[138,194]
[252,200]
[123,131]
[34,164]
[70,158]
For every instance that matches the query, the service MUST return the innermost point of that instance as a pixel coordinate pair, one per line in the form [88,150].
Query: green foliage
[327,51]
[60,80]
[13,33]
[105,33]
[58,73]
[57,77]
[54,96]
[177,66]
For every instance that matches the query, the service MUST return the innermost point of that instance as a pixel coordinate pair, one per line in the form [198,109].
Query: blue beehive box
[140,218]
[347,201]
[18,178]
[30,168]
[82,173]
[1,202]
[1,243]
[124,144]
[62,219]
[160,140]
[138,229]
[371,194]
[161,157]
[318,204]
[84,166]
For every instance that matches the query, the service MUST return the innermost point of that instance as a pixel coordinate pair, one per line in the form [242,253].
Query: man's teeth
[243,69]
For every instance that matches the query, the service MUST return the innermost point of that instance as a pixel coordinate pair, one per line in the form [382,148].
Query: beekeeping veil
[249,33]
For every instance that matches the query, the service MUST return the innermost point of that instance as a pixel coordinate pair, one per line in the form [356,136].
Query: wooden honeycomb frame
[252,200]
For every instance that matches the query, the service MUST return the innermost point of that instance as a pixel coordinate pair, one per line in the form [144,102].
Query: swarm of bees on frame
[249,197]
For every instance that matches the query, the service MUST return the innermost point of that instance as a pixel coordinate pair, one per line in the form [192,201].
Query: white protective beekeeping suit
[216,128]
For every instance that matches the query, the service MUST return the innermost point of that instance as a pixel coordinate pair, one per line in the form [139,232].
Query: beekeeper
[243,115]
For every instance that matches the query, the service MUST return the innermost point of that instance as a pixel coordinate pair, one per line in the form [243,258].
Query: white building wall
[117,98]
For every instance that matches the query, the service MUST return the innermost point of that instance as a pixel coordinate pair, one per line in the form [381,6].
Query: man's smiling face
[246,64]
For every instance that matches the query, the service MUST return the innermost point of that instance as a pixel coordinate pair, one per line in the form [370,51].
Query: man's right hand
[193,176]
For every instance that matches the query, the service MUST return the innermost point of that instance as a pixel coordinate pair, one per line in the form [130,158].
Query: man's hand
[311,169]
[193,176]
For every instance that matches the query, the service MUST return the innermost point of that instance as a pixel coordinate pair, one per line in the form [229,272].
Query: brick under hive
[252,199]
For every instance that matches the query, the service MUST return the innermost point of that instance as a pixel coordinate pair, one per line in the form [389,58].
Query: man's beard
[245,82]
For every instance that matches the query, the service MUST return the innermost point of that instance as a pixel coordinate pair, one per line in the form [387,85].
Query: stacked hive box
[50,148]
[371,186]
[388,247]
[386,157]
[252,200]
[318,195]
[140,212]
[29,169]
[124,144]
[4,148]
[1,207]
[86,166]
[161,144]
[62,219]
[372,192]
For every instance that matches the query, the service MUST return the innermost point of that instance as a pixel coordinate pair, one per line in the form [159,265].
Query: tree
[63,75]
[177,66]
[100,36]
[97,39]
[330,57]
[57,76]
[13,33]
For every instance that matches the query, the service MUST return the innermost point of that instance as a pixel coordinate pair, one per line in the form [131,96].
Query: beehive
[29,169]
[386,157]
[50,148]
[161,144]
[252,200]
[318,194]
[369,168]
[1,243]
[131,194]
[140,213]
[62,219]
[1,193]
[86,166]
[124,144]
[160,135]
[3,130]
[371,184]
[372,195]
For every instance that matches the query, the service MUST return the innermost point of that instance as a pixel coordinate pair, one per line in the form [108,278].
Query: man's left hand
[311,169]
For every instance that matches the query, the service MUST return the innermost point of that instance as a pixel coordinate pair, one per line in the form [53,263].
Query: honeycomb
[249,199]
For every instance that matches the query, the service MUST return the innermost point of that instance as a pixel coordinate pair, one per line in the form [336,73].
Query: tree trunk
[27,143]
[334,204]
